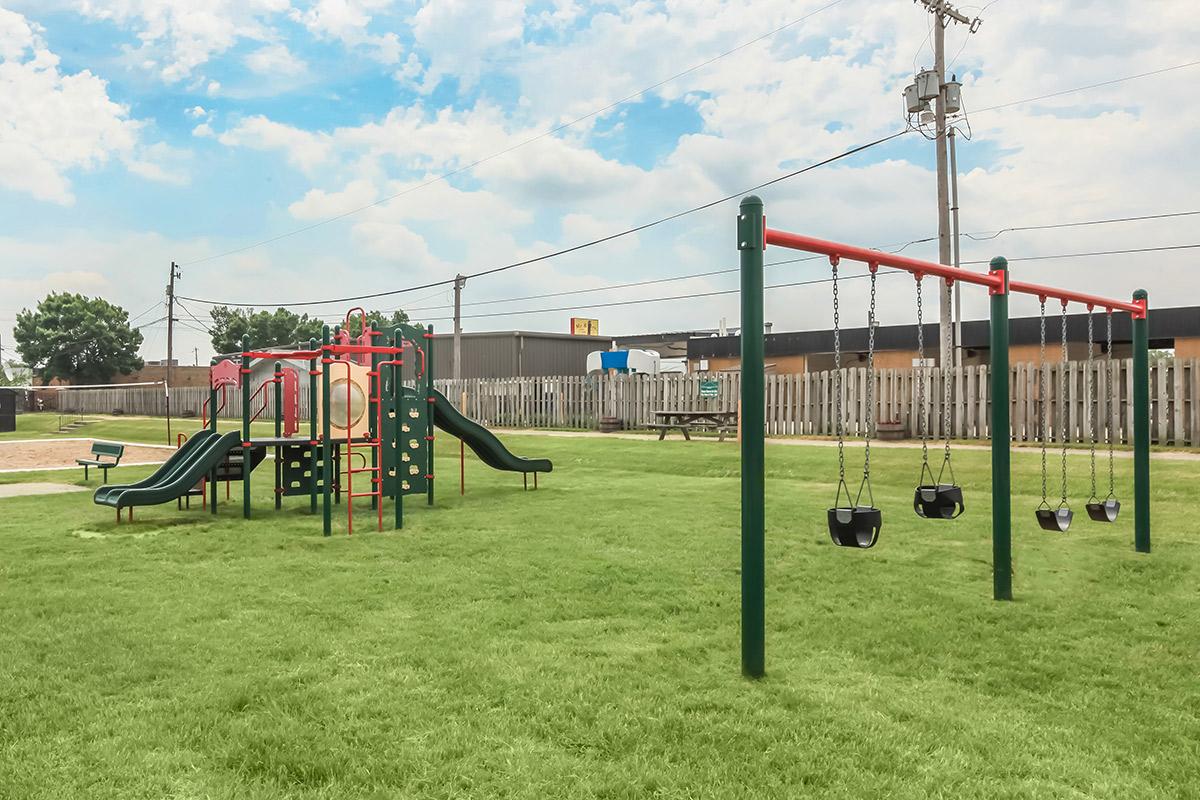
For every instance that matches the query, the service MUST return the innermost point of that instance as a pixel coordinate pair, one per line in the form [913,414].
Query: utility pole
[943,14]
[460,281]
[170,341]
[195,356]
[958,350]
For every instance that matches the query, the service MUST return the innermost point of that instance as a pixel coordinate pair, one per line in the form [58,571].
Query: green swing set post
[751,244]
[245,372]
[1001,440]
[1141,425]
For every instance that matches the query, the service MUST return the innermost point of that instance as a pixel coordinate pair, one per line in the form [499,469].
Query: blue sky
[146,131]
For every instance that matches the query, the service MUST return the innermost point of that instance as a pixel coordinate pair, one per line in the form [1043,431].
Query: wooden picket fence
[800,404]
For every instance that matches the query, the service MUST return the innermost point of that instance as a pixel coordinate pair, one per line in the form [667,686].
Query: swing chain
[1092,416]
[1062,406]
[870,380]
[1043,421]
[922,412]
[1108,432]
[837,371]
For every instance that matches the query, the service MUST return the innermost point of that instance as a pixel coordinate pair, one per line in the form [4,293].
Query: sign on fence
[710,388]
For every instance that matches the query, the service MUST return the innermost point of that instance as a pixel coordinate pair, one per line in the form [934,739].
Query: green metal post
[278,435]
[245,373]
[312,429]
[1001,441]
[398,428]
[327,444]
[212,424]
[751,245]
[1141,425]
[429,416]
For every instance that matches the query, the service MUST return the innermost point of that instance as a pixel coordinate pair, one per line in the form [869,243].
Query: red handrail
[994,280]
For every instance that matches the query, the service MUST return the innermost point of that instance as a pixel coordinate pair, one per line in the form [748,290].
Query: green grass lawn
[150,430]
[581,641]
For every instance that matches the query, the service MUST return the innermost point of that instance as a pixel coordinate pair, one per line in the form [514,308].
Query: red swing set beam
[993,280]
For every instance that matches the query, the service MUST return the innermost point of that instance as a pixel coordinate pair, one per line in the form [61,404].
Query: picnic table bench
[722,422]
[105,455]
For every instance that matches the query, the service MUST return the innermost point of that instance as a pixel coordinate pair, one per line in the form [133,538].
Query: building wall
[180,376]
[510,354]
[1187,347]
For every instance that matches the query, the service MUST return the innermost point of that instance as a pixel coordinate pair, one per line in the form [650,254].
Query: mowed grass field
[582,641]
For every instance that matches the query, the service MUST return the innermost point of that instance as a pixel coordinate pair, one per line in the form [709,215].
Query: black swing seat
[1055,519]
[1104,510]
[938,501]
[856,526]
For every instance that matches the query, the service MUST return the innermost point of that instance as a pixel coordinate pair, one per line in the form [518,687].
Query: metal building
[514,354]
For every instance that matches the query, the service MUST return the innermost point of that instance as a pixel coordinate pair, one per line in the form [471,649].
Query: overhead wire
[574,248]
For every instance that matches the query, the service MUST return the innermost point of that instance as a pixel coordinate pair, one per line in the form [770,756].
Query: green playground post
[1141,425]
[1001,440]
[245,372]
[212,424]
[326,442]
[398,428]
[312,429]
[429,416]
[751,245]
[278,435]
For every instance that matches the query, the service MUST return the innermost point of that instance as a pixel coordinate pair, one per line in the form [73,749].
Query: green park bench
[105,455]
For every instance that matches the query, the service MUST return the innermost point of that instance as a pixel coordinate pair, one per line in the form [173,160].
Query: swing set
[854,520]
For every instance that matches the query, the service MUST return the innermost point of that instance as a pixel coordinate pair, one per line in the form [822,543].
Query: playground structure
[858,525]
[370,433]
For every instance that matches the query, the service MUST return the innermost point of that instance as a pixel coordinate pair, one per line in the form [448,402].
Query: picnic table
[722,422]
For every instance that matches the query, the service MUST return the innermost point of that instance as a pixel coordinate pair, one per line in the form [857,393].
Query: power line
[1089,86]
[980,237]
[550,132]
[573,248]
[893,249]
[815,281]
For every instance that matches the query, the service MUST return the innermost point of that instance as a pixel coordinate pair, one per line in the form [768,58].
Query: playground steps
[76,425]
[234,465]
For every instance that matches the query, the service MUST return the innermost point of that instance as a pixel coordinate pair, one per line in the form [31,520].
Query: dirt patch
[26,489]
[54,454]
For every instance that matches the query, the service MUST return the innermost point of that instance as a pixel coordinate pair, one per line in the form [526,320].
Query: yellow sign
[585,327]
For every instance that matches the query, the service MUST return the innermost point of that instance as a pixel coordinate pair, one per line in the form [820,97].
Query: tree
[77,339]
[279,328]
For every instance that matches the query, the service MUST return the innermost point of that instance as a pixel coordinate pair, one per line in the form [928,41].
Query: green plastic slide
[482,441]
[173,481]
[163,470]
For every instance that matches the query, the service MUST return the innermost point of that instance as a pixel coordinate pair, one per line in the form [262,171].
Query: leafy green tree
[279,328]
[77,339]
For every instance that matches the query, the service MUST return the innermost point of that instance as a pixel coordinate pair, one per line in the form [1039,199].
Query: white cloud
[275,60]
[459,34]
[196,112]
[203,131]
[212,88]
[303,149]
[318,204]
[178,36]
[54,122]
[348,21]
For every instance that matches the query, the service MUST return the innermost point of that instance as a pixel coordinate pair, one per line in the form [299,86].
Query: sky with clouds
[137,132]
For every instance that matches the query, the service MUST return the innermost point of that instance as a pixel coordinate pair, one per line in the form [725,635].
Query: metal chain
[1108,432]
[946,394]
[870,379]
[1062,406]
[837,372]
[1043,422]
[922,412]
[1092,416]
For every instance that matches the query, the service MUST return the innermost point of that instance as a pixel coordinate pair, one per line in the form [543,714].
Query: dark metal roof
[1166,324]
